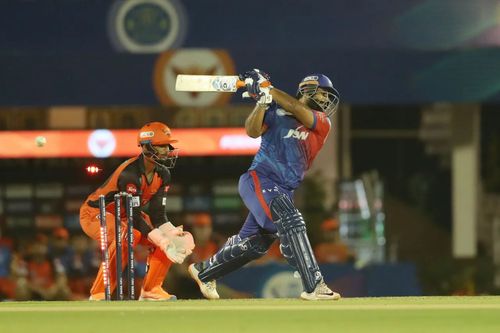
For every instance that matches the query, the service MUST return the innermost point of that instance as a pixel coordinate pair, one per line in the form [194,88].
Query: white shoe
[321,292]
[208,289]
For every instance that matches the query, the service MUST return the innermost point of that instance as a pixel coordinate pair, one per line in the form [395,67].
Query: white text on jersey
[293,133]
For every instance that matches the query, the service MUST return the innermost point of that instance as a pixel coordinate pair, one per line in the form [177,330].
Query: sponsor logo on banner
[131,188]
[101,143]
[282,285]
[146,26]
[194,62]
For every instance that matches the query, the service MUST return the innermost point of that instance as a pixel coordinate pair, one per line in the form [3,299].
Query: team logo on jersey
[194,62]
[296,134]
[146,26]
[131,188]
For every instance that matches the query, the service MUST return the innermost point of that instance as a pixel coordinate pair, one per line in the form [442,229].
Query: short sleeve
[129,182]
[321,123]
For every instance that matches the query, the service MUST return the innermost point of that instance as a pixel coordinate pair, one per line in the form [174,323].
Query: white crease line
[331,307]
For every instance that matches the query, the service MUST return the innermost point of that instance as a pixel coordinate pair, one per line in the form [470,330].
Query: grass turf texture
[398,314]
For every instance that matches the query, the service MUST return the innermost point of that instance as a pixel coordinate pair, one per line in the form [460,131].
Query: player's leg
[296,248]
[235,253]
[157,269]
[89,221]
[158,266]
[252,242]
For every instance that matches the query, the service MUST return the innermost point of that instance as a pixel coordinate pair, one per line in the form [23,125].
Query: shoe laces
[211,285]
[322,288]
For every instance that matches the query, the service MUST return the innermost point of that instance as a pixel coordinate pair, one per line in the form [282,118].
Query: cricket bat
[208,83]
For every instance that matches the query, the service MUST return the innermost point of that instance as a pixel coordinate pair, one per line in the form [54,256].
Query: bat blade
[208,83]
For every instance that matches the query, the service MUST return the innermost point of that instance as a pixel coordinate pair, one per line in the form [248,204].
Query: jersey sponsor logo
[296,134]
[131,188]
[136,201]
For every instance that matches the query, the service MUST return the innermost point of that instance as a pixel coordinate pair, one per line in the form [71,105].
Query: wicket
[118,242]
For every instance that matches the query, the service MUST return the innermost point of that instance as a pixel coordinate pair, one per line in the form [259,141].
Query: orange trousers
[157,262]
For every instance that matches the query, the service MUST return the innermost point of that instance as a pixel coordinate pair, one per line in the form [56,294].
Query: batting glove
[258,86]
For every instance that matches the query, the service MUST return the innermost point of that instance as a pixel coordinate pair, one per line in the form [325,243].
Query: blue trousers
[256,192]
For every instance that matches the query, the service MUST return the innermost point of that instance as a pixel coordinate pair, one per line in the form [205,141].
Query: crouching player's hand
[173,241]
[258,86]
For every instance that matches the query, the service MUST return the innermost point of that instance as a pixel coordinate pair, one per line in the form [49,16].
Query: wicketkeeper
[147,178]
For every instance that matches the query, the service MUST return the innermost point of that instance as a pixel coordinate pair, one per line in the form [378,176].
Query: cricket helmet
[152,137]
[327,102]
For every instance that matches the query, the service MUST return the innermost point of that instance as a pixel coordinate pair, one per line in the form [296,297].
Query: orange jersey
[130,177]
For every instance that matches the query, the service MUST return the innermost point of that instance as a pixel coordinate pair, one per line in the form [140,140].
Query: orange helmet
[156,134]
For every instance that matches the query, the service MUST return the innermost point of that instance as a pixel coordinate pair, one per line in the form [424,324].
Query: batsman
[147,178]
[293,130]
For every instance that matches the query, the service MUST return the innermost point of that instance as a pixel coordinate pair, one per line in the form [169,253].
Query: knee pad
[235,253]
[295,245]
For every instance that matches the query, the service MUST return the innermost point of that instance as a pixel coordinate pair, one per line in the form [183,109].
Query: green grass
[399,314]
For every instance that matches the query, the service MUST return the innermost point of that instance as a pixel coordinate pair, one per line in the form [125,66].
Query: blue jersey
[288,148]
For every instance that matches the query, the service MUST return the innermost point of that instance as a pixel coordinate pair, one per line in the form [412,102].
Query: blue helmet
[309,87]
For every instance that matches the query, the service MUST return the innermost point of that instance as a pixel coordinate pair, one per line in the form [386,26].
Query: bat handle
[241,84]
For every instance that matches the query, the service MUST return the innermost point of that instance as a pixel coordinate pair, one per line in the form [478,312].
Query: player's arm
[254,124]
[158,202]
[260,89]
[303,113]
[174,241]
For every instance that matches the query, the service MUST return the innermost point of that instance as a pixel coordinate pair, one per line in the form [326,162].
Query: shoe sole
[144,299]
[312,297]
[194,276]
